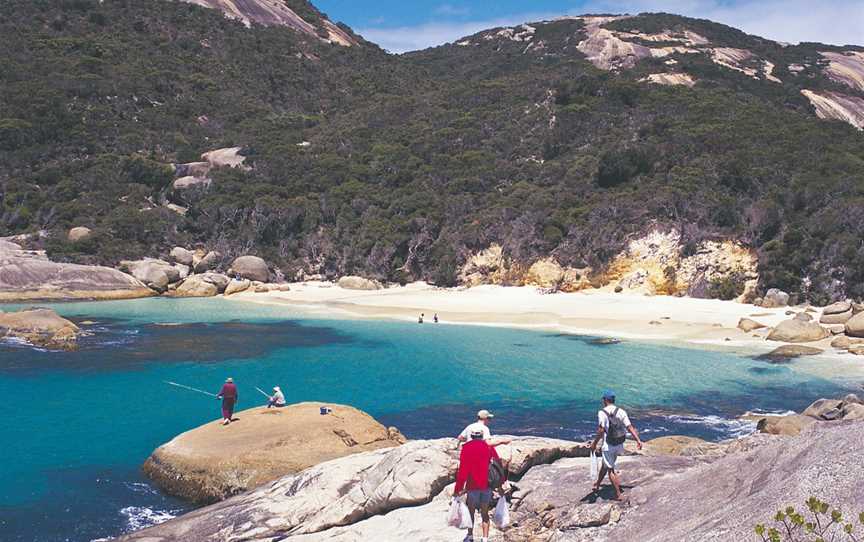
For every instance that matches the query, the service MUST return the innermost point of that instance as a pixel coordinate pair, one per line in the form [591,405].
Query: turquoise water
[78,425]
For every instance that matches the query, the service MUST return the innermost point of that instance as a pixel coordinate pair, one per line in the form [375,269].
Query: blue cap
[609,394]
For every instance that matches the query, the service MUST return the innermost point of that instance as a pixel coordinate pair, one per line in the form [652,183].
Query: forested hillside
[401,167]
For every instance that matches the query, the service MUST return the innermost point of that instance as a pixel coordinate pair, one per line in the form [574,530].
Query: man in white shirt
[277,399]
[613,424]
[481,425]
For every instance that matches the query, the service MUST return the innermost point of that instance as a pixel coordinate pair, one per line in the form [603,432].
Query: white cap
[276,388]
[485,414]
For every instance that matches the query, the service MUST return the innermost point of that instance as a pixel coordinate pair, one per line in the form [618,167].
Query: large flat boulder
[213,462]
[797,331]
[40,327]
[29,276]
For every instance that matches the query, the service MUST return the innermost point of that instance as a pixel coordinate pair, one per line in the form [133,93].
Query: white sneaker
[226,422]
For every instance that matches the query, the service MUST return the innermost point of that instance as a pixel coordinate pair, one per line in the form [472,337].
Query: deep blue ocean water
[78,425]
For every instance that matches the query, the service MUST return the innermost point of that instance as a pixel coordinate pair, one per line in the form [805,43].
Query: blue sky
[405,25]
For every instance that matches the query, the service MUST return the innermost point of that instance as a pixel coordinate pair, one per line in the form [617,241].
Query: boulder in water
[40,327]
[790,351]
[213,462]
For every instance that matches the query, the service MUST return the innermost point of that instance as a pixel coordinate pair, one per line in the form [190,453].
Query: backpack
[497,473]
[616,434]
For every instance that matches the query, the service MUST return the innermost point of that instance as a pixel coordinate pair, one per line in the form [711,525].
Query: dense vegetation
[414,161]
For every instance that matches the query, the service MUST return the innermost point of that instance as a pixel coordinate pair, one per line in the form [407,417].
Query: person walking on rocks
[484,417]
[229,397]
[473,478]
[613,424]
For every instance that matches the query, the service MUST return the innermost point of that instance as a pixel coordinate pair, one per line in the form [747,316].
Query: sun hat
[485,414]
[276,388]
[229,379]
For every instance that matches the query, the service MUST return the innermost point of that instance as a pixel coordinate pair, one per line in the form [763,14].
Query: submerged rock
[790,351]
[213,462]
[40,327]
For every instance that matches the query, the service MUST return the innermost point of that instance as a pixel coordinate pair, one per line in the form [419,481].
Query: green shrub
[819,523]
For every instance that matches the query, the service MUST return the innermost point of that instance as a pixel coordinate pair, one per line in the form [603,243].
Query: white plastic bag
[595,466]
[458,515]
[467,518]
[454,514]
[501,518]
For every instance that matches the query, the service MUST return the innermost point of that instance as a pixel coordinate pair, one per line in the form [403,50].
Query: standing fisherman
[229,397]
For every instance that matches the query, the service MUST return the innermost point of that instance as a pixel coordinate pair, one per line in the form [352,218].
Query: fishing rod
[190,388]
[263,392]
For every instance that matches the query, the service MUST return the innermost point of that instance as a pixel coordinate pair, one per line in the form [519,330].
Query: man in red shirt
[473,477]
[229,397]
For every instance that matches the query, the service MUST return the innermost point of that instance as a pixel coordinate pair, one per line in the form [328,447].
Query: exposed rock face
[213,462]
[846,67]
[670,79]
[276,13]
[546,273]
[184,183]
[40,327]
[676,445]
[250,267]
[855,325]
[343,492]
[834,105]
[26,275]
[229,157]
[796,331]
[78,233]
[358,283]
[486,267]
[182,256]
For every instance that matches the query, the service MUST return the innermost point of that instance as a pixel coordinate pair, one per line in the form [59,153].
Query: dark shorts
[478,498]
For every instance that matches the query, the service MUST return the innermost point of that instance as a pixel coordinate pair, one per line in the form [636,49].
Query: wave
[733,428]
[140,517]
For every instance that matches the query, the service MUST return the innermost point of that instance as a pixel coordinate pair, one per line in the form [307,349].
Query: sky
[407,25]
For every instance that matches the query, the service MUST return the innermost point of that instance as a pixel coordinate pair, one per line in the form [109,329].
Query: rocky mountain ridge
[561,143]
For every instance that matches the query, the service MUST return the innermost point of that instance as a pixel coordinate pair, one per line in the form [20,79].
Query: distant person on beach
[420,320]
[276,400]
[481,425]
[473,478]
[613,424]
[435,318]
[229,397]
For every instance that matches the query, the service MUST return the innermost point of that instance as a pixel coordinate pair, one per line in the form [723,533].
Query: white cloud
[837,22]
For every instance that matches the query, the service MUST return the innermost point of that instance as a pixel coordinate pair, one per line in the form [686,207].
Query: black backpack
[617,433]
[497,473]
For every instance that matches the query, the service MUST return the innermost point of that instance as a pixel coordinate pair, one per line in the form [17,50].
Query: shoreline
[703,324]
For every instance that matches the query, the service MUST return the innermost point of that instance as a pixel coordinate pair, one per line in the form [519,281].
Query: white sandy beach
[696,323]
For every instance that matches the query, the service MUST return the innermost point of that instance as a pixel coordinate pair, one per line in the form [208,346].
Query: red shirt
[474,465]
[229,391]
